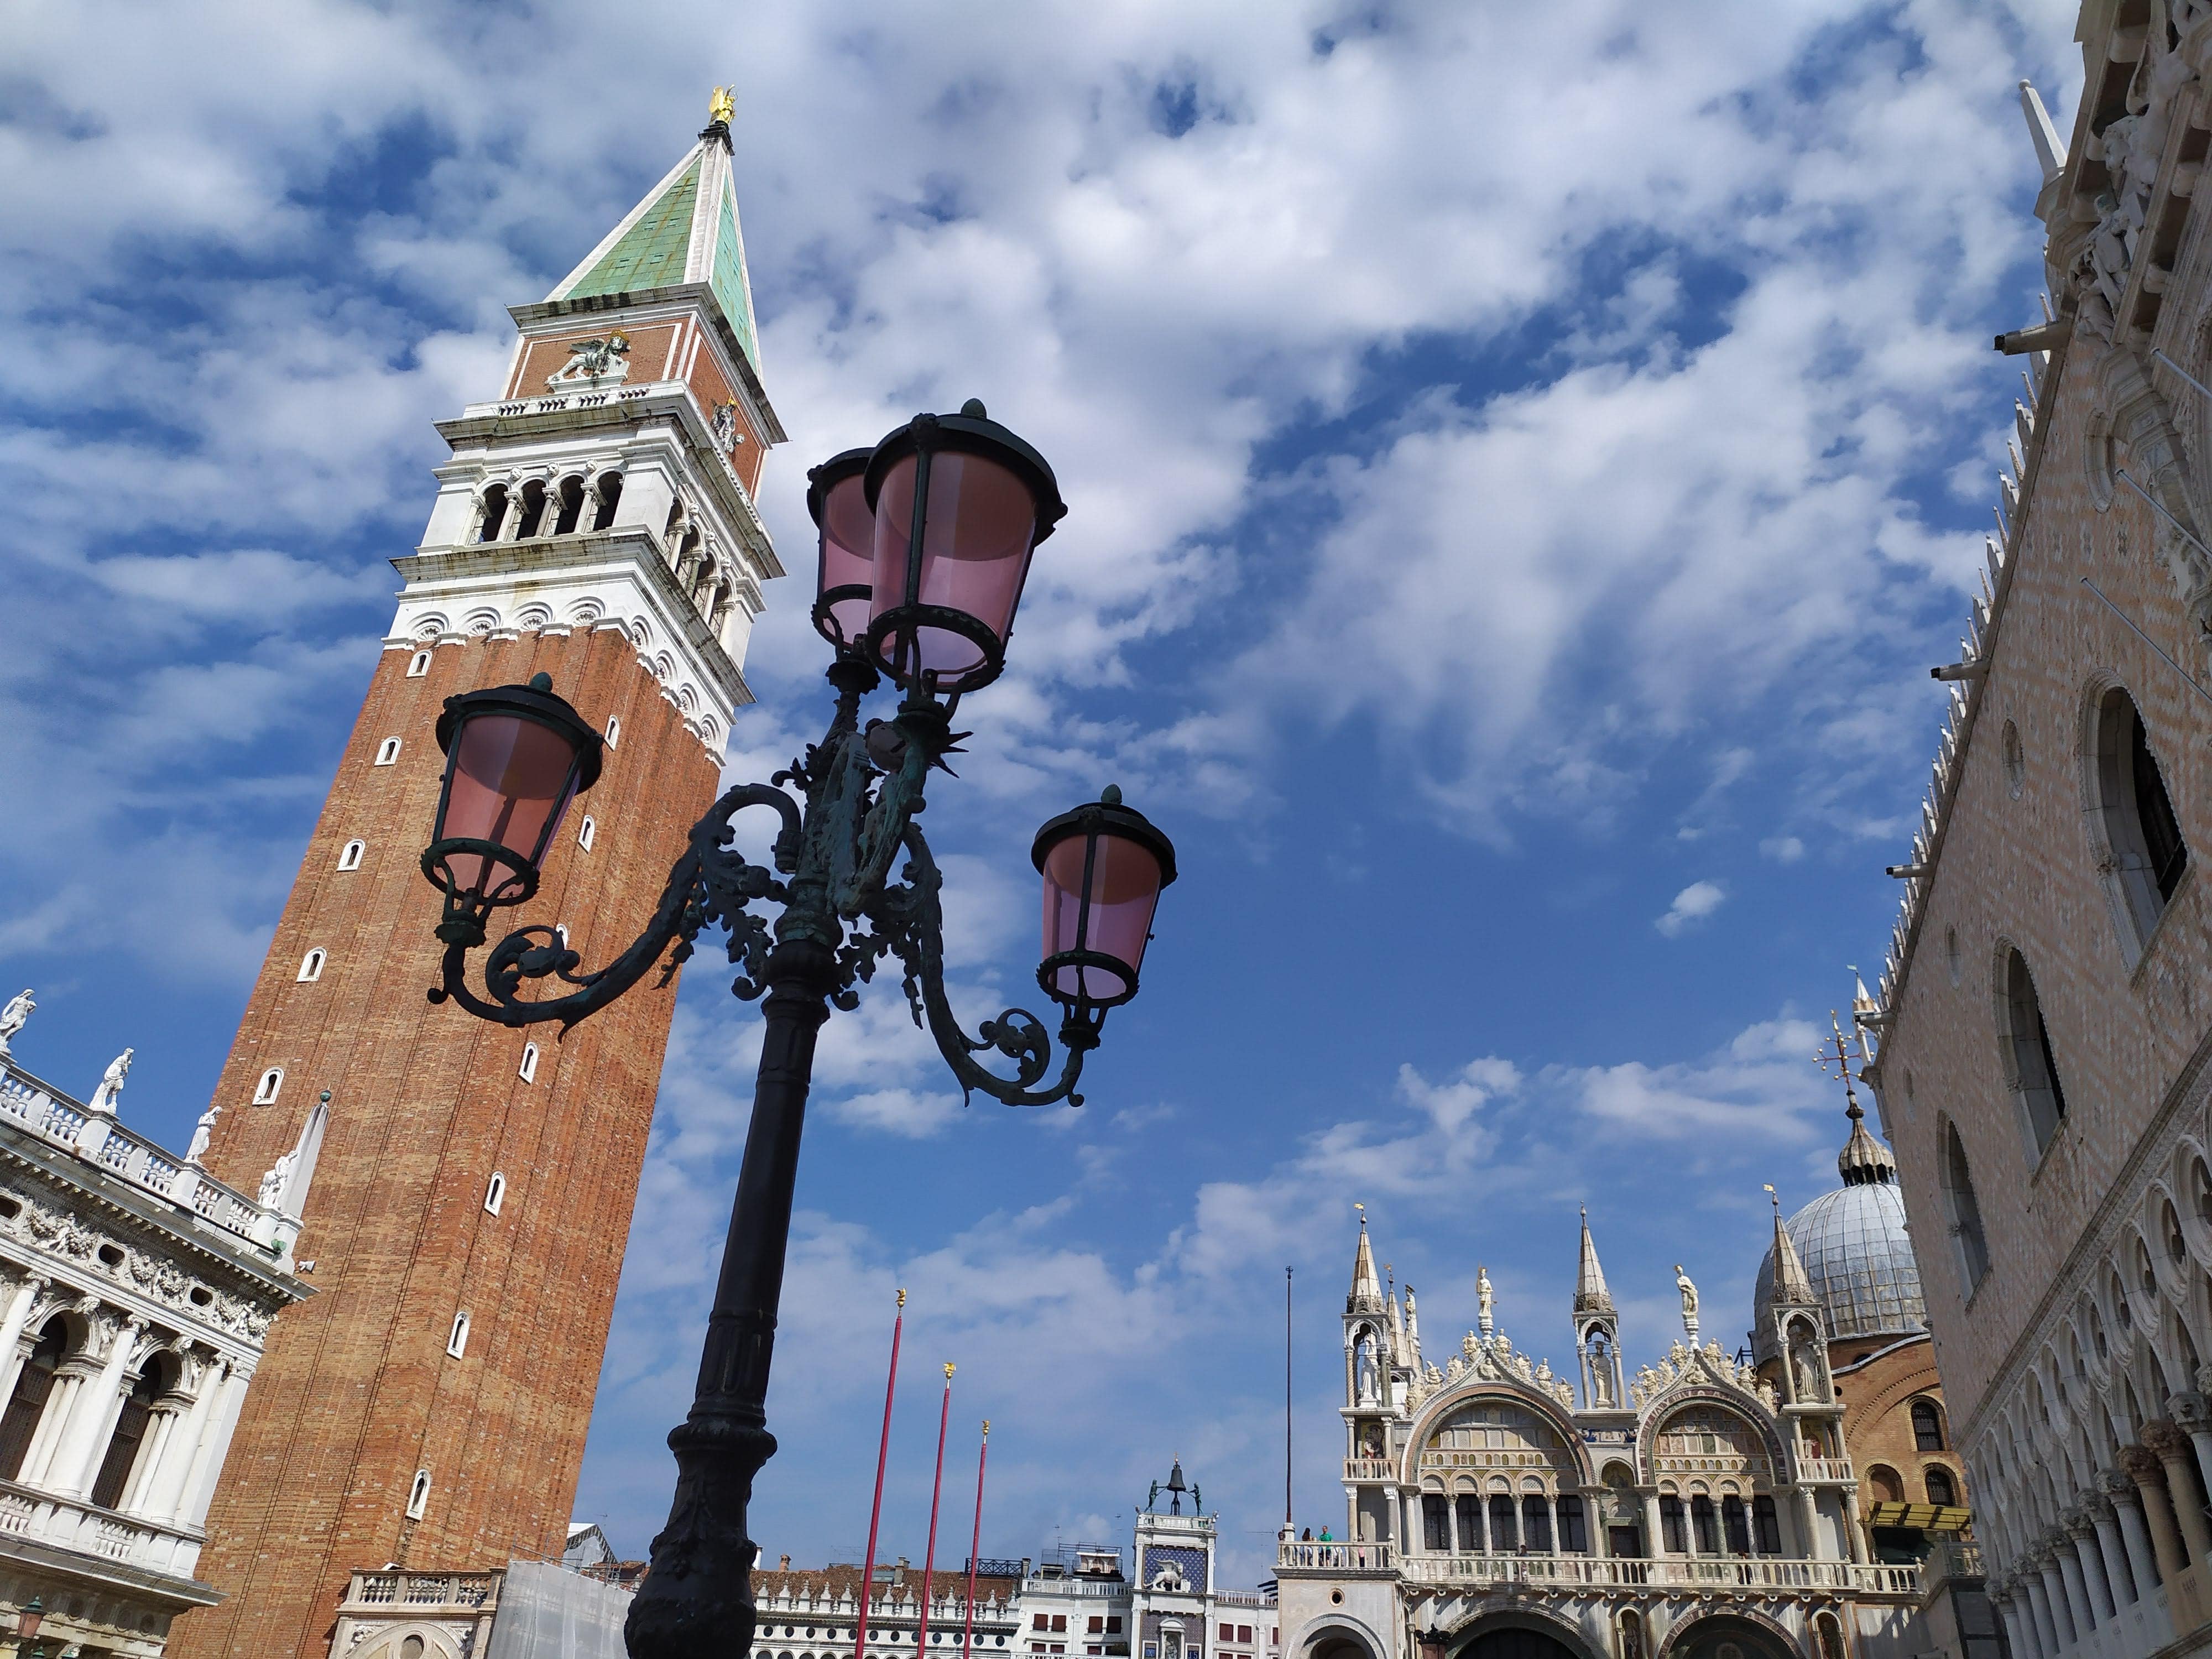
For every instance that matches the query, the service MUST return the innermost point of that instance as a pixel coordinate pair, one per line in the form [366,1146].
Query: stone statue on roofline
[1689,1292]
[104,1097]
[16,1016]
[202,1133]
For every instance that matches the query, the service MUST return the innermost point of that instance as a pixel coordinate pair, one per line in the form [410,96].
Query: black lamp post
[925,545]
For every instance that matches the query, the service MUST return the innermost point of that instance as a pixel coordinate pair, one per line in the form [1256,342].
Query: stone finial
[2050,154]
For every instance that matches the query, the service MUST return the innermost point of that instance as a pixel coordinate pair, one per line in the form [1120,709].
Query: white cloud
[1692,905]
[1782,849]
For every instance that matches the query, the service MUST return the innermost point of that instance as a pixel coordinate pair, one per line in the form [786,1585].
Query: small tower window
[457,1343]
[614,730]
[496,1193]
[533,511]
[586,831]
[528,1070]
[418,1495]
[265,1090]
[418,665]
[350,855]
[387,752]
[609,494]
[495,513]
[311,966]
[572,506]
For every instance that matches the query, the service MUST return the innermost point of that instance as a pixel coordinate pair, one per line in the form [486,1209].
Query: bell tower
[595,522]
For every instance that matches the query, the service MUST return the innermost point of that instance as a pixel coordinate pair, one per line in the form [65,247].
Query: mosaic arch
[1470,1441]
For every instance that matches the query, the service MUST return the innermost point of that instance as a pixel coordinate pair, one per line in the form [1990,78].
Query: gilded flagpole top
[721,107]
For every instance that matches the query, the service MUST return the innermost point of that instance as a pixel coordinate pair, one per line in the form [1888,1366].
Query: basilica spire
[683,234]
[1590,1293]
[1791,1287]
[1366,1286]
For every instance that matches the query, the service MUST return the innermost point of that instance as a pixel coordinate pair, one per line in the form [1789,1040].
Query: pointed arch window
[1963,1212]
[2031,1063]
[495,1194]
[418,1495]
[265,1093]
[27,1404]
[350,855]
[2143,856]
[457,1344]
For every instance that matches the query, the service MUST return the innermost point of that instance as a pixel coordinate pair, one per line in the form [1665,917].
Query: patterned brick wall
[357,1391]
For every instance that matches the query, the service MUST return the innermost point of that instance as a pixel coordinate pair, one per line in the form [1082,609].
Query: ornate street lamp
[925,545]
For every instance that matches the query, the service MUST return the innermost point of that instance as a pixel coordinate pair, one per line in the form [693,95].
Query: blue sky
[1522,460]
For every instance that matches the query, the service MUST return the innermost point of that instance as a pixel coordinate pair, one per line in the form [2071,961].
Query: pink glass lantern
[959,503]
[1104,866]
[515,757]
[838,496]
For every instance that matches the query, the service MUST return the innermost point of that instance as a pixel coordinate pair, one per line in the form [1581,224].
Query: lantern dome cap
[533,702]
[974,434]
[1111,818]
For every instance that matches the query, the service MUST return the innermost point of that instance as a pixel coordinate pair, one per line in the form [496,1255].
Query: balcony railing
[1367,1469]
[420,1592]
[26,1512]
[1299,1556]
[1107,1587]
[1674,1572]
[1824,1469]
[44,1111]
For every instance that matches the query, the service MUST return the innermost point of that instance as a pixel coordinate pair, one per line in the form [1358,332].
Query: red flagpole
[929,1555]
[968,1636]
[883,1455]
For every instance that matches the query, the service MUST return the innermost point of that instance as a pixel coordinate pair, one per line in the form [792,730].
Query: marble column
[1808,1523]
[2078,1610]
[1655,1535]
[2038,1602]
[2143,1467]
[2083,1533]
[53,1423]
[200,1484]
[164,1487]
[2063,1622]
[1854,1533]
[2178,1460]
[1599,1522]
[77,1463]
[20,1304]
[2116,1572]
[2192,1415]
[2127,1506]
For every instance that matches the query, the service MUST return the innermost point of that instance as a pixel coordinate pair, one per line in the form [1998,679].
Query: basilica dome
[1855,1250]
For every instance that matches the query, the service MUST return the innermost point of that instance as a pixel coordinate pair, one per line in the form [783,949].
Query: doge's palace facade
[2045,1016]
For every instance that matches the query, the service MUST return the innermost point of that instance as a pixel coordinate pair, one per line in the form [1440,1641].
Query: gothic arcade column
[2038,1602]
[2078,1611]
[2176,1456]
[2020,1629]
[1852,1531]
[2127,1506]
[2143,1467]
[2192,1414]
[2083,1533]
[2117,1574]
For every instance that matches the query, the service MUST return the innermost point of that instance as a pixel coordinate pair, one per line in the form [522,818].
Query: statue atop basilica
[1689,1303]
